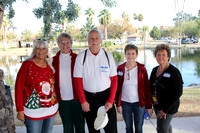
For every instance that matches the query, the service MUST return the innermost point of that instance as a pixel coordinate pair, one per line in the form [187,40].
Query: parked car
[171,41]
[186,41]
[117,43]
[163,38]
[135,42]
[194,40]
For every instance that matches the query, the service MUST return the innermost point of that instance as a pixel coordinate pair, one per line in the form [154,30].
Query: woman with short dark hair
[166,89]
[133,95]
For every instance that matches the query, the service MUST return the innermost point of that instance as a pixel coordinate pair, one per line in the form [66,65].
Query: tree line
[57,20]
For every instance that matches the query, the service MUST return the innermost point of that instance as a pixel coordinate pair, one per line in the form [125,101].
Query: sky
[155,12]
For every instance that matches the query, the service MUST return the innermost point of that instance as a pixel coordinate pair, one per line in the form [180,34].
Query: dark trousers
[72,116]
[164,125]
[96,100]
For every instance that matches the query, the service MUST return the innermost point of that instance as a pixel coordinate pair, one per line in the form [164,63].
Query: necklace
[159,71]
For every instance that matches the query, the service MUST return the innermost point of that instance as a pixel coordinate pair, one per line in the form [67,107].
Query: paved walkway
[180,125]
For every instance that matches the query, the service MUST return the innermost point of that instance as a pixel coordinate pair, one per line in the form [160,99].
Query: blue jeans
[39,126]
[163,125]
[130,112]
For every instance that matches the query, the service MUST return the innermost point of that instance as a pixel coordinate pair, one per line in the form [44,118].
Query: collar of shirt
[98,54]
[64,55]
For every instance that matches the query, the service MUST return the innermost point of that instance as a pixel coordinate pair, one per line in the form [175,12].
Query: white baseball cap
[101,119]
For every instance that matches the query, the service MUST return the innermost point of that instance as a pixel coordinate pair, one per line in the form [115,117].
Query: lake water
[186,60]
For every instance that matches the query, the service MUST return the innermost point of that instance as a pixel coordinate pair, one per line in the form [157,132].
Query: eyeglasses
[127,75]
[41,39]
[65,42]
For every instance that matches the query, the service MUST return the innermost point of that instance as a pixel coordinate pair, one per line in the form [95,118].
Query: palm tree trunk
[4,38]
[105,32]
[1,15]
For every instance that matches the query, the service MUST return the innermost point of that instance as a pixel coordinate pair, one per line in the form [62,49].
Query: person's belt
[96,93]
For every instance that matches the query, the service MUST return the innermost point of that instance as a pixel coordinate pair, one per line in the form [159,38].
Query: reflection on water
[187,61]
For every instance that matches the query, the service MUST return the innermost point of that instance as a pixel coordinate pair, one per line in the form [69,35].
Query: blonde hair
[44,44]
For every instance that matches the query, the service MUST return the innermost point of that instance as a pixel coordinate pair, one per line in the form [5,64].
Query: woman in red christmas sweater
[35,97]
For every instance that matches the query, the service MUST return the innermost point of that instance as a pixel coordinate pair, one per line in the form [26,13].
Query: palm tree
[125,17]
[145,29]
[86,28]
[105,20]
[4,26]
[90,14]
[138,17]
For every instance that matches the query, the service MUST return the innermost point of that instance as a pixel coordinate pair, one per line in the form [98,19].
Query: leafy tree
[40,33]
[183,18]
[190,28]
[6,5]
[50,11]
[109,3]
[90,14]
[74,32]
[198,27]
[105,19]
[117,29]
[118,56]
[11,36]
[155,33]
[165,33]
[173,32]
[27,35]
[86,28]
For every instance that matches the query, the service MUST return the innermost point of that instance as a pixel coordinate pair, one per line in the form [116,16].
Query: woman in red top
[133,94]
[35,97]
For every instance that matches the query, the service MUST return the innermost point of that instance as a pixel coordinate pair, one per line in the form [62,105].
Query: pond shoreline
[18,55]
[25,51]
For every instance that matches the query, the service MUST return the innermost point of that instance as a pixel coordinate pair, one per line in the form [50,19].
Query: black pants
[96,100]
[72,116]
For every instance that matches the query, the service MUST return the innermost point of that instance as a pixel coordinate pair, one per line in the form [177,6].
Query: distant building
[165,27]
[134,37]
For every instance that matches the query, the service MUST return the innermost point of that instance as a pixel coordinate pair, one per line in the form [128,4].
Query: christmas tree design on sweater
[33,101]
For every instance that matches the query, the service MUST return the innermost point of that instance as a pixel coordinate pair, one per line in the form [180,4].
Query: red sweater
[56,65]
[34,91]
[143,86]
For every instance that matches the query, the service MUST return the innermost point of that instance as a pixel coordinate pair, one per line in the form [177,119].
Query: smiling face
[131,55]
[65,45]
[162,57]
[41,51]
[94,41]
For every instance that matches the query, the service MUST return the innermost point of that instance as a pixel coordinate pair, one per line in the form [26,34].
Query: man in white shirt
[95,79]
